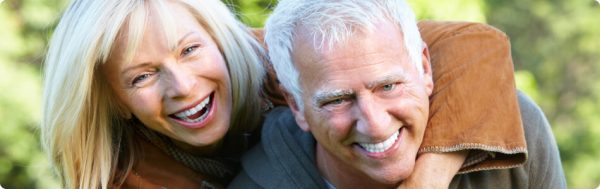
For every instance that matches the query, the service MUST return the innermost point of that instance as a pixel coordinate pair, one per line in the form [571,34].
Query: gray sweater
[285,158]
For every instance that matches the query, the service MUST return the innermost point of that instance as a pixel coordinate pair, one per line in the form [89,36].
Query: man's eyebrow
[393,78]
[323,96]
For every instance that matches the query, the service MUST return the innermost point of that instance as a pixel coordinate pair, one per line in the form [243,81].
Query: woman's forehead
[154,21]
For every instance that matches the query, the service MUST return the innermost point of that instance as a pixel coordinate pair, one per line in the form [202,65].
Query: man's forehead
[386,39]
[323,38]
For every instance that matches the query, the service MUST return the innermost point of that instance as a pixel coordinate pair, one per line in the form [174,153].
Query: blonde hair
[83,130]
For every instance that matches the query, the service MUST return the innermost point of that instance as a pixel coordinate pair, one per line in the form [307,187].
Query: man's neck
[342,175]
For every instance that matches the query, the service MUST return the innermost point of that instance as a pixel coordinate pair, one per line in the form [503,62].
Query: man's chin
[392,177]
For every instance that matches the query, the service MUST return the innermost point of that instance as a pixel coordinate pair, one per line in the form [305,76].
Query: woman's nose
[180,82]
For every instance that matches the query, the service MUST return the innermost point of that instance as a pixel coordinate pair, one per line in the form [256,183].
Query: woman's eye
[140,78]
[189,50]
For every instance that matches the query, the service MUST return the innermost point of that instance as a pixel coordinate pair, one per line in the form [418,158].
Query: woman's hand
[435,170]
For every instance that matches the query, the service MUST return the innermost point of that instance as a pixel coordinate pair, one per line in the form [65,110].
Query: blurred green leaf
[525,82]
[461,10]
[557,42]
[21,49]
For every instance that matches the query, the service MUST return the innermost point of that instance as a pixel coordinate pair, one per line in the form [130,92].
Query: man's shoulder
[283,159]
[257,171]
[280,117]
[543,162]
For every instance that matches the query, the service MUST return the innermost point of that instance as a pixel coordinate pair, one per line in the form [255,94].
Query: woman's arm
[435,170]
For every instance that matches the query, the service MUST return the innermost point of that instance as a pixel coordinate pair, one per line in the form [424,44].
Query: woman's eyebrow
[124,72]
[185,36]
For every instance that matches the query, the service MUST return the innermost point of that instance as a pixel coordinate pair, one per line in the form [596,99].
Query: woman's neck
[206,151]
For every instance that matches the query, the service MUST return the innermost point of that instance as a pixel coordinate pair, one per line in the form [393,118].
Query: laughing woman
[127,81]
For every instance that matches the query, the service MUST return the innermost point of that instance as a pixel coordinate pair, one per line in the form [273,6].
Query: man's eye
[337,105]
[336,102]
[189,50]
[389,87]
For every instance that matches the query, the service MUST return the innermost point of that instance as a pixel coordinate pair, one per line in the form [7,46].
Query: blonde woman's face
[182,92]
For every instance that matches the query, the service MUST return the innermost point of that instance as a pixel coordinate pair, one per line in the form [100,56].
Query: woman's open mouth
[191,117]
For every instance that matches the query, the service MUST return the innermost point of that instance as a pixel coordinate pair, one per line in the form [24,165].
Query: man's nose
[179,81]
[373,118]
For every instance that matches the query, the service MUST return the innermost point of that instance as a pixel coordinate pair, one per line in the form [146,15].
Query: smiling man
[358,82]
[365,103]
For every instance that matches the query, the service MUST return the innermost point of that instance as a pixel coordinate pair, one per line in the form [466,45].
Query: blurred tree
[22,42]
[458,10]
[559,43]
[252,12]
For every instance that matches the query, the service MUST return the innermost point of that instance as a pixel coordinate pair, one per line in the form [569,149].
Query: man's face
[366,104]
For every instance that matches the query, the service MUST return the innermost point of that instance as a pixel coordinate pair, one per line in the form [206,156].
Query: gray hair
[328,23]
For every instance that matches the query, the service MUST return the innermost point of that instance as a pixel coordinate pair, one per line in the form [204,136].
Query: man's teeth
[185,114]
[380,147]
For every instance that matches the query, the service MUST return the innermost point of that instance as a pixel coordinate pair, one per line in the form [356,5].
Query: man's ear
[427,71]
[298,115]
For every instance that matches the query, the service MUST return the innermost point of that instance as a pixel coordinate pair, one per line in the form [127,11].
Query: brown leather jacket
[473,106]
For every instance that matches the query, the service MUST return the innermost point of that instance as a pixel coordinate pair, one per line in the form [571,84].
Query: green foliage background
[555,46]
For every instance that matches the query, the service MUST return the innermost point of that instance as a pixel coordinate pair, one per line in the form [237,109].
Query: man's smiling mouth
[382,146]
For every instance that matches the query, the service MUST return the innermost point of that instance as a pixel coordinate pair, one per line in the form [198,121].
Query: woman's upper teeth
[193,110]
